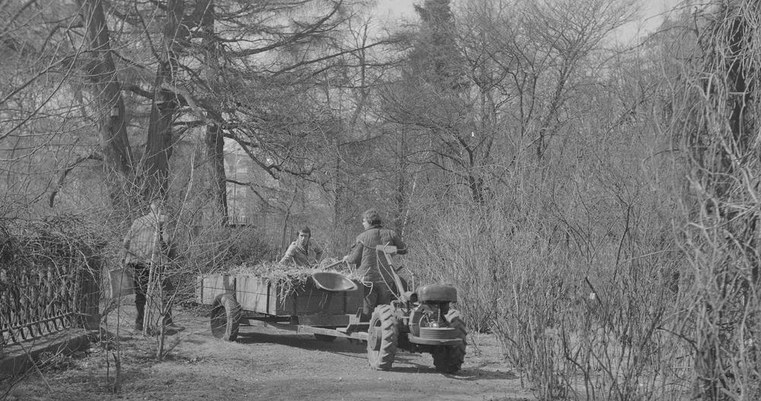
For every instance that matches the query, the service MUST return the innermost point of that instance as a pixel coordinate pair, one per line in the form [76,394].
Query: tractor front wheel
[449,358]
[225,317]
[381,338]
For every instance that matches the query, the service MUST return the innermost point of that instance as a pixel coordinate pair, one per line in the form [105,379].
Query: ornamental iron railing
[48,283]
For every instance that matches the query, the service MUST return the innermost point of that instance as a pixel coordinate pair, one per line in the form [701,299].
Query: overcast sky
[651,14]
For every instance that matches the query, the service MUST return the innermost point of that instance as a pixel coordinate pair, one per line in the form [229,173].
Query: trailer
[328,305]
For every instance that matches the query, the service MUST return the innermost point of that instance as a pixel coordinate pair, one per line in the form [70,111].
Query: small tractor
[420,321]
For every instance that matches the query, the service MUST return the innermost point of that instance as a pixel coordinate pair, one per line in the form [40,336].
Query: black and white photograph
[370,200]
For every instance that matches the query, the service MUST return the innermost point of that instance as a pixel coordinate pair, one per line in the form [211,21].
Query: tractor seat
[436,293]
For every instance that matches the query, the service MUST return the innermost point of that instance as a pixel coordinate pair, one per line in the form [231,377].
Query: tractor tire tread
[383,358]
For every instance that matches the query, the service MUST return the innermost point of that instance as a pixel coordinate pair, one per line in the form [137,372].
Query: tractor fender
[436,293]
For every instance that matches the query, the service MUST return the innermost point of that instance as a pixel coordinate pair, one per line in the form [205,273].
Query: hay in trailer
[289,279]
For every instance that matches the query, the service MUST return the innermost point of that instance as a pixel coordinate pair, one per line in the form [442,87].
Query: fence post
[90,289]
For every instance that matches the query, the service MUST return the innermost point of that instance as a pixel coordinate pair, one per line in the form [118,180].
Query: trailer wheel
[324,337]
[225,317]
[381,338]
[449,358]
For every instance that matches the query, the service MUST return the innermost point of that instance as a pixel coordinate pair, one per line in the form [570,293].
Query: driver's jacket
[365,255]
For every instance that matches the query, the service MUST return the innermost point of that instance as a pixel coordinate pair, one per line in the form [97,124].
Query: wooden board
[211,285]
[254,294]
[258,295]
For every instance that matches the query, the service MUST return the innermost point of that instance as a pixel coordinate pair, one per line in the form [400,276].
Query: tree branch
[253,189]
[65,173]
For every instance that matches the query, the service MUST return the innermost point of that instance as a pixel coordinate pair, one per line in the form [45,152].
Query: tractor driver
[303,251]
[377,279]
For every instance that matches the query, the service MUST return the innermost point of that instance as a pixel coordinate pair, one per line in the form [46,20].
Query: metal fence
[47,289]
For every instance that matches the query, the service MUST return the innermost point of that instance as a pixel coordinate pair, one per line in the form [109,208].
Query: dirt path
[267,364]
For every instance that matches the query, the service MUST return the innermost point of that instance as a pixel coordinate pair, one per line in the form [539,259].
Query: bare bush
[716,123]
[580,312]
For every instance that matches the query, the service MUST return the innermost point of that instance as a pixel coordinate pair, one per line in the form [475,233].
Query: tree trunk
[214,136]
[101,72]
[165,105]
[216,155]
[339,207]
[401,197]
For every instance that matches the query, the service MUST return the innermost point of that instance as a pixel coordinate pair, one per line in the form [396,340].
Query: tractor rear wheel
[449,358]
[225,317]
[381,338]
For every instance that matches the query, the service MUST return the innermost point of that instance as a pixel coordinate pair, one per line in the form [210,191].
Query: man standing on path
[147,244]
[378,282]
